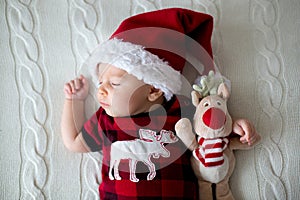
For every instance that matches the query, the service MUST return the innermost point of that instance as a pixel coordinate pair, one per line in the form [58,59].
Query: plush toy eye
[205,104]
[219,103]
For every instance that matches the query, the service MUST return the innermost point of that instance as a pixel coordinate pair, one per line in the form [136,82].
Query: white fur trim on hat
[138,62]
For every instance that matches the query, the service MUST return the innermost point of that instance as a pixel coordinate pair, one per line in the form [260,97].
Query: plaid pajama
[174,177]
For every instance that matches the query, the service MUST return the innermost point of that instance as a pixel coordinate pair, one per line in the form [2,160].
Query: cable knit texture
[45,44]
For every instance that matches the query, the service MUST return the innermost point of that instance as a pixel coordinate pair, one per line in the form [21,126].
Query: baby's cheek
[120,105]
[98,97]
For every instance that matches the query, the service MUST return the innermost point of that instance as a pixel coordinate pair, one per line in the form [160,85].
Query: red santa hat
[155,46]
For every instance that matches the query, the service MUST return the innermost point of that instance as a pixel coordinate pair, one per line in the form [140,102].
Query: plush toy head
[212,119]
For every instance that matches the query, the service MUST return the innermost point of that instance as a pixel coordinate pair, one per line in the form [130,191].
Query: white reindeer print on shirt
[142,149]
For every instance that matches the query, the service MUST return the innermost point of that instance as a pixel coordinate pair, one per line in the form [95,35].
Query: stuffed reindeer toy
[213,160]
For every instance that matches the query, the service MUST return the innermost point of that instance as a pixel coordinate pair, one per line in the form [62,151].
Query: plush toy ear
[223,91]
[196,96]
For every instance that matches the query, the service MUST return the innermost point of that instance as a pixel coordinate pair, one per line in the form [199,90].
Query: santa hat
[155,46]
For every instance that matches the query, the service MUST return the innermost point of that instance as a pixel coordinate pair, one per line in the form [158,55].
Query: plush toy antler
[208,85]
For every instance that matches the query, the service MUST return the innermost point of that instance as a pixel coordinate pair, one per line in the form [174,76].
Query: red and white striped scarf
[210,151]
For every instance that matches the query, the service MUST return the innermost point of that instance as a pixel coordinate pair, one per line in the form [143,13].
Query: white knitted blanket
[43,44]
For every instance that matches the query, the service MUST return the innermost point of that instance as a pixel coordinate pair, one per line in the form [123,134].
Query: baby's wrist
[74,100]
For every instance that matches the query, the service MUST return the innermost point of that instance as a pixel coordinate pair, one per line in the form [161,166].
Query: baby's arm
[73,116]
[246,130]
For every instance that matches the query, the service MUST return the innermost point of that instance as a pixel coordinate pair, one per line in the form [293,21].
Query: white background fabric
[43,44]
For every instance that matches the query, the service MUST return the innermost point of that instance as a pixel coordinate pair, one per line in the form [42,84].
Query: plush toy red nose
[214,118]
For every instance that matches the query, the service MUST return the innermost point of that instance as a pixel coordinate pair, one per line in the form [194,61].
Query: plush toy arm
[184,131]
[236,144]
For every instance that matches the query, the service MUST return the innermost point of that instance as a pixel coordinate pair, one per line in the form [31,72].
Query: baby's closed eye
[114,84]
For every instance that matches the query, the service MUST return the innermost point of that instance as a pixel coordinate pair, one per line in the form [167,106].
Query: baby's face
[119,93]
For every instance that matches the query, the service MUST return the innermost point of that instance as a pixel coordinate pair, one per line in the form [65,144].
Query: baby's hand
[77,89]
[246,130]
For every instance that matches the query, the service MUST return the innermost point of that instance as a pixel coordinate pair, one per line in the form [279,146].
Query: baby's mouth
[104,105]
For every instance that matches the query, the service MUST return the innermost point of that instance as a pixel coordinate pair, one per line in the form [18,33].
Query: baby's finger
[67,88]
[254,138]
[238,130]
[76,84]
[250,139]
[243,139]
[248,131]
[71,85]
[81,77]
[84,82]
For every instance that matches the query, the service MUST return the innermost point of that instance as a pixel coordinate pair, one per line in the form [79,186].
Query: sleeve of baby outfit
[92,133]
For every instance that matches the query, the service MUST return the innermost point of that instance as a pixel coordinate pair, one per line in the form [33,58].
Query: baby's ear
[154,94]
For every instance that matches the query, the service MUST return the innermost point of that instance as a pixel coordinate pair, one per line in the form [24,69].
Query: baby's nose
[102,90]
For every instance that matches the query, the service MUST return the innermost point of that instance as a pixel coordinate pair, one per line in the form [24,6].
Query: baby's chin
[116,114]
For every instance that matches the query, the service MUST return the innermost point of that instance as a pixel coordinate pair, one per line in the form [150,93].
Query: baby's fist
[77,88]
[247,131]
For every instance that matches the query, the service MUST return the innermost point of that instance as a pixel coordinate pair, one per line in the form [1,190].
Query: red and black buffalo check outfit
[174,176]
